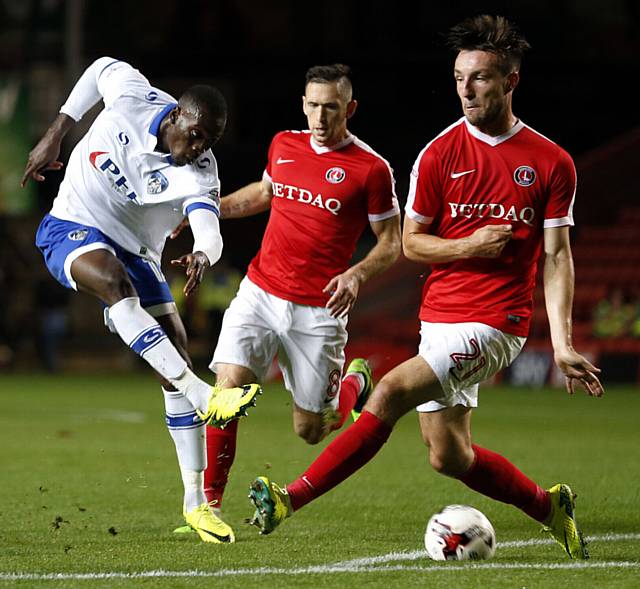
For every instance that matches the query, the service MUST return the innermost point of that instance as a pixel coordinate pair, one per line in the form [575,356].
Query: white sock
[142,333]
[193,482]
[188,435]
[194,389]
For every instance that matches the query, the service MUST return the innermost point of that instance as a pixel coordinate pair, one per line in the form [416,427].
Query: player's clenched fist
[489,241]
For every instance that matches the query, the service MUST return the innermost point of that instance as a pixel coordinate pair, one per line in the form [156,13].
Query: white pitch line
[359,565]
[320,569]
[420,554]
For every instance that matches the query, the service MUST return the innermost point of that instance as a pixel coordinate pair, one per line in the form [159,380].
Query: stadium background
[576,88]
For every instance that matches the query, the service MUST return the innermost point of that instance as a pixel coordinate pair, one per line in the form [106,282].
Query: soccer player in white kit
[144,165]
[486,196]
[323,186]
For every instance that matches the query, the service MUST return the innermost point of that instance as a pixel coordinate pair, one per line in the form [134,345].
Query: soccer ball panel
[459,532]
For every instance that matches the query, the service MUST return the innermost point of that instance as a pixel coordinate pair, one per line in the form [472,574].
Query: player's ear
[174,114]
[304,104]
[512,81]
[351,108]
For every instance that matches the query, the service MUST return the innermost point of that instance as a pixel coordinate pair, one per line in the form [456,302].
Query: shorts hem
[436,405]
[236,362]
[76,253]
[160,309]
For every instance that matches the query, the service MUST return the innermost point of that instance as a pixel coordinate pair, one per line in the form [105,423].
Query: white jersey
[115,180]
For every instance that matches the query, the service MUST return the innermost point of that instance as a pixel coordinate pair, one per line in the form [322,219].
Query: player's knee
[387,401]
[309,432]
[449,462]
[116,287]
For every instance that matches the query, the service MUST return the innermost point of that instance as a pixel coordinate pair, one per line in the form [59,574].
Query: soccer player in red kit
[323,187]
[486,196]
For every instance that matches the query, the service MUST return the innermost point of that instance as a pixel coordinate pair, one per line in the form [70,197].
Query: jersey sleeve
[119,78]
[203,209]
[205,227]
[382,202]
[107,78]
[423,202]
[208,194]
[558,211]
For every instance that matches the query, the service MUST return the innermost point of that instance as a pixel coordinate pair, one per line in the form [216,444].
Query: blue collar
[155,124]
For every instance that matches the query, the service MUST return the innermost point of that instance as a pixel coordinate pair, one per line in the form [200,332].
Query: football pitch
[90,493]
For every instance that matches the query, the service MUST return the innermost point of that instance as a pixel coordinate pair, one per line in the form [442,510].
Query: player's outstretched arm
[84,95]
[44,156]
[250,200]
[345,287]
[558,291]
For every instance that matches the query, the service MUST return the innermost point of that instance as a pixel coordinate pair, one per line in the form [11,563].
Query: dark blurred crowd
[617,315]
[33,308]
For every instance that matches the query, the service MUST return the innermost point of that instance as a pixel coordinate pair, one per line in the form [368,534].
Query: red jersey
[464,180]
[323,198]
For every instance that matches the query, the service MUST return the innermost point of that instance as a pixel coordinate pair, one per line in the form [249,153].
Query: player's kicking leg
[100,273]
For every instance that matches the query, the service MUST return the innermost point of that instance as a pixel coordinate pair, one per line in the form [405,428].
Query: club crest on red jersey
[524,175]
[335,175]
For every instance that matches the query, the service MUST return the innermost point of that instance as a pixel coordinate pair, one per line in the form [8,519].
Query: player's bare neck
[499,126]
[161,145]
[333,141]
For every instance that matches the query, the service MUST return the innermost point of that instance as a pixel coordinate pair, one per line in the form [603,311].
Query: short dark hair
[328,73]
[494,34]
[208,99]
[337,72]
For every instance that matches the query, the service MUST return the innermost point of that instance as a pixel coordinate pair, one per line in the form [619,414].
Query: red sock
[349,391]
[494,476]
[221,451]
[353,448]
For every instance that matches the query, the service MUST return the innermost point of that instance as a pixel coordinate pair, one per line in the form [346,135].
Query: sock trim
[148,339]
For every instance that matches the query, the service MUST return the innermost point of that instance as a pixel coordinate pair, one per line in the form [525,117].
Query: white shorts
[308,341]
[463,355]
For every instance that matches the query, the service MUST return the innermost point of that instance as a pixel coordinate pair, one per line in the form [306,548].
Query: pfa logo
[335,175]
[524,175]
[151,96]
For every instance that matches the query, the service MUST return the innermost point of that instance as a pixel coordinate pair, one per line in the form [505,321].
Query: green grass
[92,454]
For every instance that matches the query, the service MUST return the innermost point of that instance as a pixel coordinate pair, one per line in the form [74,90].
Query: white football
[460,532]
